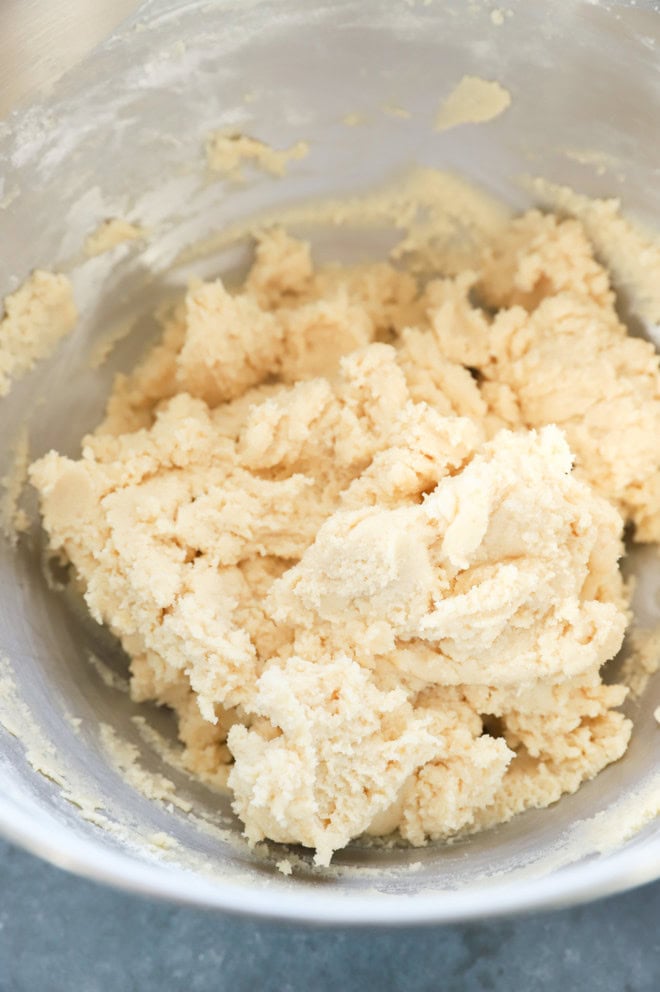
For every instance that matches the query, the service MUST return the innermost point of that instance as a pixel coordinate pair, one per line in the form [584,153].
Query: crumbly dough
[227,151]
[630,253]
[37,315]
[472,101]
[332,518]
[560,349]
[110,233]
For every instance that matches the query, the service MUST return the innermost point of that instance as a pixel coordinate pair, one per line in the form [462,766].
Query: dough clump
[334,521]
[37,316]
[110,233]
[228,151]
[472,101]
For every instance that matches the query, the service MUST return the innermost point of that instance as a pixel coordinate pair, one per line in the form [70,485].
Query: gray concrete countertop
[61,934]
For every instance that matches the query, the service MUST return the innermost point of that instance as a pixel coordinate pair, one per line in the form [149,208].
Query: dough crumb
[284,866]
[36,317]
[227,151]
[163,841]
[472,101]
[109,234]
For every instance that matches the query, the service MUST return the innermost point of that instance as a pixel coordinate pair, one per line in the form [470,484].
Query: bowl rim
[626,868]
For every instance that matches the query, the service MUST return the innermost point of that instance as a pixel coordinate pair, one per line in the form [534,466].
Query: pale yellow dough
[228,151]
[332,518]
[472,101]
[36,316]
[110,233]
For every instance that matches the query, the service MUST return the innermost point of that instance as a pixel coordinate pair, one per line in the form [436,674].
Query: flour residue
[17,720]
[126,758]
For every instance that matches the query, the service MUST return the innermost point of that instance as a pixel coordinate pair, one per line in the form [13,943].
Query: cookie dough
[334,521]
[37,315]
[472,101]
[110,233]
[228,151]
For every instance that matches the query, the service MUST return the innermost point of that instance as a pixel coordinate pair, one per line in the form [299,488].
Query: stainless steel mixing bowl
[120,134]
